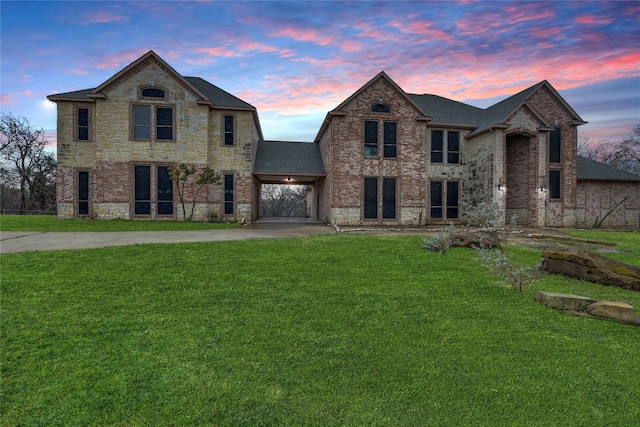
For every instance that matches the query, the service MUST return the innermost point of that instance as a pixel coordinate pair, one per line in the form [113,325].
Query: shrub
[497,262]
[441,242]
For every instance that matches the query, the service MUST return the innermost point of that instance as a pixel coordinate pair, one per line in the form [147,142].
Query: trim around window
[152,122]
[228,130]
[82,123]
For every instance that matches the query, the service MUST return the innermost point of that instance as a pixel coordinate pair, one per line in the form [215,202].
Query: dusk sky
[295,61]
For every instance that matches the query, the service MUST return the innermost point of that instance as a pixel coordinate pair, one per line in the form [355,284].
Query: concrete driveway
[22,241]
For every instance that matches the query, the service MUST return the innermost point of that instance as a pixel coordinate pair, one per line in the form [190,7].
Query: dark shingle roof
[282,157]
[448,111]
[499,112]
[595,171]
[75,95]
[217,96]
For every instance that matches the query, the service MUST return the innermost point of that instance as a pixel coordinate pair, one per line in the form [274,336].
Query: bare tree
[284,200]
[624,154]
[22,149]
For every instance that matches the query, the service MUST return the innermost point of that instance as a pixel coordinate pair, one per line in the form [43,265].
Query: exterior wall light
[543,187]
[500,186]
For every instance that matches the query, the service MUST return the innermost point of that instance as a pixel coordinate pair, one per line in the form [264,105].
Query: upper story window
[555,146]
[153,92]
[229,130]
[380,108]
[389,139]
[453,147]
[370,138]
[438,148]
[82,124]
[152,122]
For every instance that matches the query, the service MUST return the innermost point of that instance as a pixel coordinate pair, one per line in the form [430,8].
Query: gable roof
[446,111]
[205,92]
[591,170]
[288,158]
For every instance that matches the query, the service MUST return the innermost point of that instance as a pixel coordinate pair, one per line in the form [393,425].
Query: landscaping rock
[474,239]
[592,267]
[563,301]
[620,311]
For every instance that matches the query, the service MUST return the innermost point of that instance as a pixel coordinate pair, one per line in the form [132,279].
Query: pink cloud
[6,99]
[216,51]
[592,20]
[422,28]
[302,34]
[103,17]
[528,12]
[125,57]
[545,32]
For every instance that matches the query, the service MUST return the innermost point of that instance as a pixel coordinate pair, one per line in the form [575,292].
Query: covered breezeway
[288,169]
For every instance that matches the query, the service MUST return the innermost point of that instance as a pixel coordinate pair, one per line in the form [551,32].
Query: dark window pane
[380,108]
[554,184]
[83,133]
[83,193]
[436,199]
[453,147]
[142,208]
[83,124]
[142,190]
[452,199]
[164,123]
[436,146]
[389,198]
[83,117]
[141,122]
[228,194]
[390,139]
[555,145]
[164,116]
[370,198]
[228,123]
[153,93]
[370,139]
[165,191]
[229,130]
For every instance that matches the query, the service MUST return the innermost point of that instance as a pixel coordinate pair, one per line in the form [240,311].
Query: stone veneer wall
[111,153]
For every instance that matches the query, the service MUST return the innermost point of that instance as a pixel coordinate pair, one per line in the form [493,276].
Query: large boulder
[474,239]
[592,267]
[613,310]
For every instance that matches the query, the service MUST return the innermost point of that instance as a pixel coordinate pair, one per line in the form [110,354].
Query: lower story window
[142,190]
[83,193]
[371,207]
[444,199]
[228,194]
[165,191]
[554,184]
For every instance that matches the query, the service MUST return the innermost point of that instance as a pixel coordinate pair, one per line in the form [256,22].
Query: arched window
[152,92]
[380,108]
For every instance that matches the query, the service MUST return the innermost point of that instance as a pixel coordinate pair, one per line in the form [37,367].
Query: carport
[289,163]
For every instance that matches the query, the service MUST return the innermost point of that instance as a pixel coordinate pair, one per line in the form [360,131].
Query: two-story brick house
[381,157]
[117,141]
[394,158]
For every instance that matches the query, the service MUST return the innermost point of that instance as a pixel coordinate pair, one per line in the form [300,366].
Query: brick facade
[390,158]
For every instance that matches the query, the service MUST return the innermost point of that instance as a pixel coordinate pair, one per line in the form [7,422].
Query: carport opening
[282,200]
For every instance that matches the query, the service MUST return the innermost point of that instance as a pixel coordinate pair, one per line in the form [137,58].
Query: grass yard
[324,331]
[52,223]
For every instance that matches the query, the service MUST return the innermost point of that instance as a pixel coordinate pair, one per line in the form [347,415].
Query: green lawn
[52,223]
[327,330]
